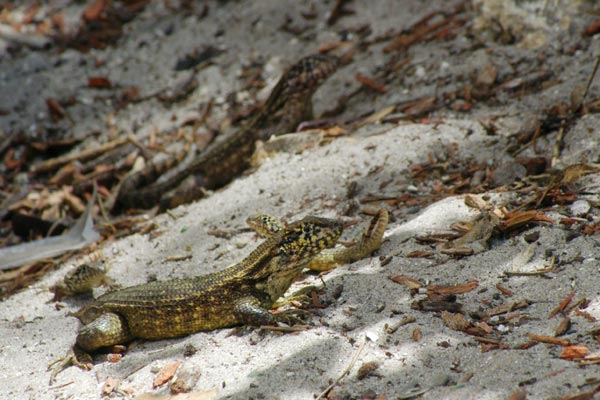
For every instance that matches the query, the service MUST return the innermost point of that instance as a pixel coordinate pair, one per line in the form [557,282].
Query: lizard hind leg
[107,330]
[371,240]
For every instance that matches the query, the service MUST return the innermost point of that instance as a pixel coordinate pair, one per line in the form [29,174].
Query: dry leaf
[207,395]
[574,352]
[99,82]
[166,374]
[477,202]
[93,10]
[417,335]
[365,80]
[419,254]
[562,305]
[456,322]
[404,280]
[518,219]
[109,386]
[456,289]
[367,369]
[519,395]
[335,131]
[576,171]
[548,339]
[563,327]
[114,357]
[57,112]
[186,380]
[504,290]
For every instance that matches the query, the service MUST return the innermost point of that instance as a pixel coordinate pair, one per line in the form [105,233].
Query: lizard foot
[299,297]
[292,316]
[74,356]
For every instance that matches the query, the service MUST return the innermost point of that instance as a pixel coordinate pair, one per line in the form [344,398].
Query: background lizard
[240,294]
[289,103]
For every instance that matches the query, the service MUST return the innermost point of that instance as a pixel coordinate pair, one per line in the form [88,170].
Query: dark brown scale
[289,104]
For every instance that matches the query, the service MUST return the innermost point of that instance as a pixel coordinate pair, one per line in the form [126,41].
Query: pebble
[507,173]
[580,208]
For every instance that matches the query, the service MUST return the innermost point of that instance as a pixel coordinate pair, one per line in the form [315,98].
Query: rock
[580,208]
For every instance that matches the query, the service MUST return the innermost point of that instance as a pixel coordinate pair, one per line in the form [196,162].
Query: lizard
[238,295]
[84,278]
[328,259]
[289,103]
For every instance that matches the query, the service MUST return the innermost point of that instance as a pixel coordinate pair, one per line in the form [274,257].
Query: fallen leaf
[367,369]
[592,28]
[563,327]
[416,335]
[456,322]
[518,219]
[57,112]
[93,11]
[574,352]
[206,395]
[165,374]
[109,386]
[548,339]
[456,289]
[519,395]
[573,172]
[504,290]
[562,305]
[404,280]
[114,357]
[99,82]
[371,83]
[419,254]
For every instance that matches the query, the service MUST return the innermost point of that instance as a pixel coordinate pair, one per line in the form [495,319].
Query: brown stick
[84,154]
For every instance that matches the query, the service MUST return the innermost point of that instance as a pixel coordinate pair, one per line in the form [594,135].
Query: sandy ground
[361,299]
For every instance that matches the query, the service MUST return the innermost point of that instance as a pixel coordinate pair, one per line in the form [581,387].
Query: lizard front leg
[250,311]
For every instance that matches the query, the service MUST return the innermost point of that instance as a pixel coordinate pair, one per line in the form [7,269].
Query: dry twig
[346,371]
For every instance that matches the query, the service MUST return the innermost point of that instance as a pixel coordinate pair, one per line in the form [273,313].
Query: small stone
[372,336]
[478,178]
[507,173]
[580,208]
[187,377]
[532,237]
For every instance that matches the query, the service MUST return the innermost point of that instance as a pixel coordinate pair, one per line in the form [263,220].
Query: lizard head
[296,87]
[280,259]
[308,73]
[304,239]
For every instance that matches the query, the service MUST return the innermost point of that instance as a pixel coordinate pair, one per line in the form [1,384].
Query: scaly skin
[84,278]
[240,294]
[328,259]
[289,104]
